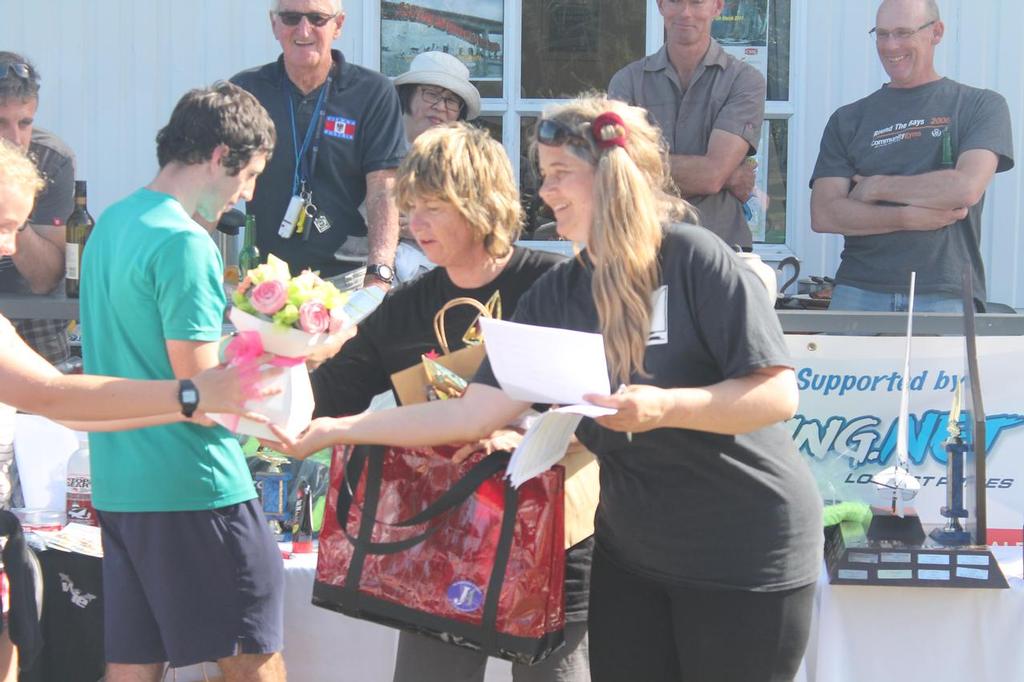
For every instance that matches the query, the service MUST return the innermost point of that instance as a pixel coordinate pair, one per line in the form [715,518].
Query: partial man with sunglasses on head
[709,106]
[340,139]
[434,91]
[902,173]
[38,265]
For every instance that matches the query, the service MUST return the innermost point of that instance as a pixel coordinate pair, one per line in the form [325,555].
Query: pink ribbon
[244,351]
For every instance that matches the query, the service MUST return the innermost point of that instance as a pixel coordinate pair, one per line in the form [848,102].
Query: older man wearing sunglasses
[340,138]
[38,265]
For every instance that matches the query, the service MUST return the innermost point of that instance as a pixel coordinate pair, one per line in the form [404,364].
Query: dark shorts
[192,586]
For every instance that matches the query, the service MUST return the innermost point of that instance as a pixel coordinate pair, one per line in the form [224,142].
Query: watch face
[381,271]
[189,396]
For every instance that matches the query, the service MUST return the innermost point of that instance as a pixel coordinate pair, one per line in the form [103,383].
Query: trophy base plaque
[854,559]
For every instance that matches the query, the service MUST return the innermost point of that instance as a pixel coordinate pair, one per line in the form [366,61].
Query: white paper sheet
[544,364]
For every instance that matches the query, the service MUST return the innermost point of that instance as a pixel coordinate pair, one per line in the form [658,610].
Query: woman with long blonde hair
[708,531]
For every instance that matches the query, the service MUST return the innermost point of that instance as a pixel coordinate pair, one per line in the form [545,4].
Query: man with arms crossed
[709,106]
[191,572]
[902,173]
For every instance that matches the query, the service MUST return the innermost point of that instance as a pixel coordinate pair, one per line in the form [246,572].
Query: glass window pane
[493,124]
[778,50]
[472,30]
[537,212]
[757,31]
[570,46]
[771,192]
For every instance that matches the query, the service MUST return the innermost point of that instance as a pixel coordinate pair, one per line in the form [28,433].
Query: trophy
[892,548]
[896,523]
[953,533]
[272,487]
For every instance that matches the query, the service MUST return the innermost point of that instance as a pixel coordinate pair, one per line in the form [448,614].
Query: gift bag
[411,384]
[413,541]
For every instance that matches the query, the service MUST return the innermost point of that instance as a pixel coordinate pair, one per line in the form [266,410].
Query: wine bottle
[249,256]
[79,225]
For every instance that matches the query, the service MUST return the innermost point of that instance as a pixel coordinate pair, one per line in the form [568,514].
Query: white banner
[849,401]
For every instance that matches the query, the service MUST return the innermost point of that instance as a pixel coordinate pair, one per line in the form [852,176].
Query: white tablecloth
[917,634]
[859,634]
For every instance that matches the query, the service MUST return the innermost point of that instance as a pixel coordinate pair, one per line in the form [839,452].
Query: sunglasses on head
[317,19]
[18,69]
[554,133]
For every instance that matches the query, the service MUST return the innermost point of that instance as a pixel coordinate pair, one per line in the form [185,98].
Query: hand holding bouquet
[292,318]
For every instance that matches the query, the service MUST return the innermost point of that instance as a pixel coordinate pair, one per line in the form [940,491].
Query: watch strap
[384,273]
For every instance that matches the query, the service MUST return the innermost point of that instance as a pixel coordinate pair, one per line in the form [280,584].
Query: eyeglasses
[554,133]
[432,97]
[18,69]
[317,19]
[897,33]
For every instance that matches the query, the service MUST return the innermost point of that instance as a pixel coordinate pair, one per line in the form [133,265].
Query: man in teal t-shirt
[191,572]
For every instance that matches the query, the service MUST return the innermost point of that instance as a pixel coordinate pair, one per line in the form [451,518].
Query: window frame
[512,106]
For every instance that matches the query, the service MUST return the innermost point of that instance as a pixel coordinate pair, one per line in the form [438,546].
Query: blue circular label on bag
[465,596]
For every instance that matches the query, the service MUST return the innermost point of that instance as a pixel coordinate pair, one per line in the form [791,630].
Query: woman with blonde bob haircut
[457,187]
[708,531]
[465,167]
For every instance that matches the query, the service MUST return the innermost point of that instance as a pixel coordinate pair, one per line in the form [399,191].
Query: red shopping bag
[413,541]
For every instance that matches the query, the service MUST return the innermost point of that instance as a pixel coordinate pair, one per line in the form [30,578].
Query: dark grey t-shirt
[56,163]
[897,131]
[687,506]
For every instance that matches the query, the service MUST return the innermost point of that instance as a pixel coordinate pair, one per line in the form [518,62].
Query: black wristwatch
[384,273]
[188,397]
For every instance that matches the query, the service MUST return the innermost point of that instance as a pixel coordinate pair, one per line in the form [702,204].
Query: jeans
[845,297]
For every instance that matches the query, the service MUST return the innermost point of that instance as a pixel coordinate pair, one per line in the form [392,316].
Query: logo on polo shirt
[336,126]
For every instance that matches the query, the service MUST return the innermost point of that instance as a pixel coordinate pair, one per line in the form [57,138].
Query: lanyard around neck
[313,133]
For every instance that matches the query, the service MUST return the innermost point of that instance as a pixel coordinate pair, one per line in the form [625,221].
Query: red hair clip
[606,130]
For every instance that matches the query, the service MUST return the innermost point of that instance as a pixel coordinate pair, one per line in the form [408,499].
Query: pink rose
[313,317]
[268,297]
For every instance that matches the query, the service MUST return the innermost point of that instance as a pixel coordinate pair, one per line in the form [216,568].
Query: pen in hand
[620,391]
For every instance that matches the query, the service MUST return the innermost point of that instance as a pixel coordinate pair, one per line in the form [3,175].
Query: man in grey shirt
[902,173]
[38,265]
[709,106]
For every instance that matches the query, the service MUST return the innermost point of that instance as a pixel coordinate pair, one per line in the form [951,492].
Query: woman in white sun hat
[434,91]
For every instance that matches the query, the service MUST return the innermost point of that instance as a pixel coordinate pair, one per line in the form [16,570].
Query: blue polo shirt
[361,132]
[150,274]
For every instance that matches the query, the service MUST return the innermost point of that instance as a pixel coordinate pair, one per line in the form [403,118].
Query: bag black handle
[451,498]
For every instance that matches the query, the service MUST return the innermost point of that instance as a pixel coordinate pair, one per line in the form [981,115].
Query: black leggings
[642,630]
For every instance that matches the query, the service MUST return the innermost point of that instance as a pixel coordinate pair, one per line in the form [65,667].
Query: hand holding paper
[547,365]
[637,408]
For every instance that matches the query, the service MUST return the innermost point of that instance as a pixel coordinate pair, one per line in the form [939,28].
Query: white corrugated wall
[113,69]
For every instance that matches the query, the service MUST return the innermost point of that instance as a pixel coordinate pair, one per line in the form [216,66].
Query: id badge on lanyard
[301,209]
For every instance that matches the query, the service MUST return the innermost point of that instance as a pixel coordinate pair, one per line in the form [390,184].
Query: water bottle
[79,486]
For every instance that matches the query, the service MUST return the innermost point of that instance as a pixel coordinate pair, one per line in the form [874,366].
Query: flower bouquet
[292,315]
[288,317]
